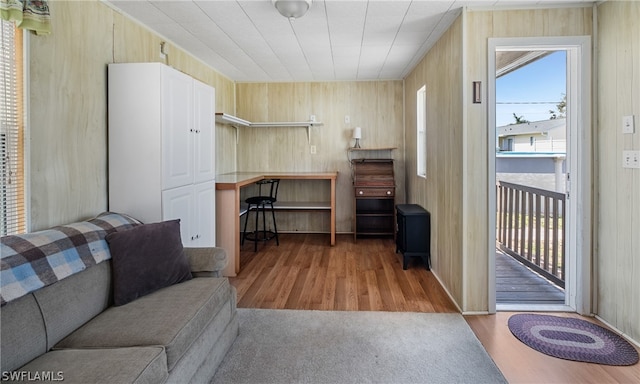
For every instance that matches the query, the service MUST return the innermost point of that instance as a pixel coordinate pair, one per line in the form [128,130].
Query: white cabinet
[162,148]
[177,130]
[195,206]
[188,128]
[204,101]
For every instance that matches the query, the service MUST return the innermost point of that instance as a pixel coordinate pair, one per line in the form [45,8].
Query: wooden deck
[517,284]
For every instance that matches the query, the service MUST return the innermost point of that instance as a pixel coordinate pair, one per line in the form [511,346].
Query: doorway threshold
[533,308]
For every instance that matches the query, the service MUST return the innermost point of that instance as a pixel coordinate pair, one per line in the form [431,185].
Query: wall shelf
[236,122]
[365,150]
[224,118]
[372,149]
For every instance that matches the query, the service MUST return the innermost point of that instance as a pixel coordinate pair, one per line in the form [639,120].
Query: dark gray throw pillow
[146,258]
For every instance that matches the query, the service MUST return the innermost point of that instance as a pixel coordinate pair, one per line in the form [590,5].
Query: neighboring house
[68,133]
[536,136]
[533,154]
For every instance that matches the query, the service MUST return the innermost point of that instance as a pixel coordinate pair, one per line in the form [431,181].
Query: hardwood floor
[521,364]
[304,272]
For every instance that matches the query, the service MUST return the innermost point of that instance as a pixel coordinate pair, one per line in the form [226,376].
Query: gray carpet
[287,346]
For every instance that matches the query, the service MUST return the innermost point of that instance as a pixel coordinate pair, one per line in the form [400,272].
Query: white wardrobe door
[177,129]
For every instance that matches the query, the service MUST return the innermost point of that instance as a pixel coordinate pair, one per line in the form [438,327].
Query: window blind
[12,201]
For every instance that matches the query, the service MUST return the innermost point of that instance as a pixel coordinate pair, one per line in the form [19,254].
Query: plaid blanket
[34,260]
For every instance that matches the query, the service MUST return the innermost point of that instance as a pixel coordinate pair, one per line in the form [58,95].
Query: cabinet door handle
[388,192]
[360,192]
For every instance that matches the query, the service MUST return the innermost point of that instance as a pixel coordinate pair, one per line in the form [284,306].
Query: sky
[541,81]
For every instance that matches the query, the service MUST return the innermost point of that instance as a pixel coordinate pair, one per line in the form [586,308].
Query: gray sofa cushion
[22,333]
[146,258]
[172,317]
[134,365]
[71,302]
[201,361]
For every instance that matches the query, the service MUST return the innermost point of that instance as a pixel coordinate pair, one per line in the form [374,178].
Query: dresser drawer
[375,192]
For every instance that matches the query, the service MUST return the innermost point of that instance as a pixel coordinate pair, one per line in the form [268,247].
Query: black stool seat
[262,203]
[255,200]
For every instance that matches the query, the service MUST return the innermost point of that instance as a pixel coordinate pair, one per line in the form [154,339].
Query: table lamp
[357,134]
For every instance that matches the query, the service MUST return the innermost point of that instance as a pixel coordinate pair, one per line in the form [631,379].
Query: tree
[519,119]
[561,108]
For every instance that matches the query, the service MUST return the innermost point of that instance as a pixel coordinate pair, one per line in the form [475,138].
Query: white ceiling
[249,41]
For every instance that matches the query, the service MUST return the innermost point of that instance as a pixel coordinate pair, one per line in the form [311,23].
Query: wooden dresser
[374,197]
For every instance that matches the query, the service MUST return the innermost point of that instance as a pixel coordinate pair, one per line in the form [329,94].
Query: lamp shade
[292,8]
[357,133]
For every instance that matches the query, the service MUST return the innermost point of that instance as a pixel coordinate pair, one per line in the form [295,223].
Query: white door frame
[579,240]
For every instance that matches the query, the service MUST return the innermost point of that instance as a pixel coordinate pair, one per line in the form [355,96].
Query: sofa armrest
[206,262]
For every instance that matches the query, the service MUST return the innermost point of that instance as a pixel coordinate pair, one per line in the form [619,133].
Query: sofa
[68,312]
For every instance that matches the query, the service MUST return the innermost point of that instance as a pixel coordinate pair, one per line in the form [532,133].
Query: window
[421,131]
[12,200]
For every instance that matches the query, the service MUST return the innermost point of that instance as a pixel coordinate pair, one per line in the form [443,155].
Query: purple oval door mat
[572,339]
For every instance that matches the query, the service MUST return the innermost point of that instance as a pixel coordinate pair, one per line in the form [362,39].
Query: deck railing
[530,227]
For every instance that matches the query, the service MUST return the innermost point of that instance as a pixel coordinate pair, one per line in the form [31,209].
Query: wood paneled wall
[68,118]
[376,106]
[455,190]
[68,106]
[68,113]
[617,222]
[479,27]
[441,192]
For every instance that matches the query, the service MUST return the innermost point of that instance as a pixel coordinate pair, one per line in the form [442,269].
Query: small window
[421,131]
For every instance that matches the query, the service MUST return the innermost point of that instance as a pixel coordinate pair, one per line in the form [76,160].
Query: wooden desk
[228,207]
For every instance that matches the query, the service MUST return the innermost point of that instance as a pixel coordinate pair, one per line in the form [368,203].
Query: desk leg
[228,228]
[333,211]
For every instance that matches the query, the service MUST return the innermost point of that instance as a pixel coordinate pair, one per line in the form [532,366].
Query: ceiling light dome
[292,9]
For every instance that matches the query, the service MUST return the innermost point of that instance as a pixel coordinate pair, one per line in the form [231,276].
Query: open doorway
[531,151]
[539,167]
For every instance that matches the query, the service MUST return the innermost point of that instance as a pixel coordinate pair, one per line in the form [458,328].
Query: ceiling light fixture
[292,9]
